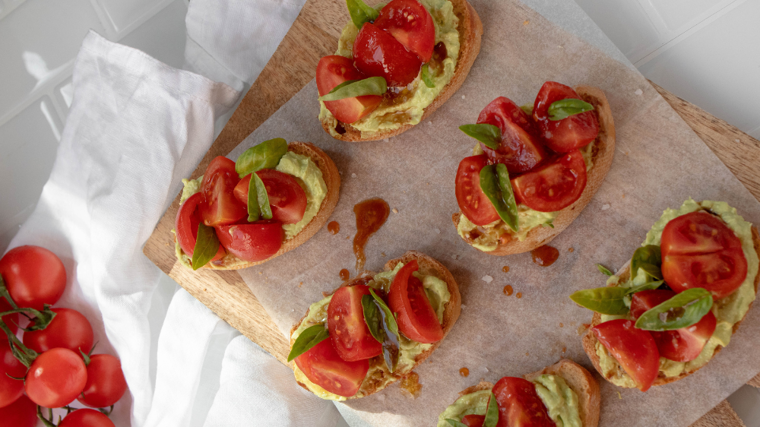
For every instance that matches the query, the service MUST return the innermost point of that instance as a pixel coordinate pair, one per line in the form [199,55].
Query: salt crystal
[353,175]
[487,279]
[453,256]
[463,306]
[462,96]
[437,231]
[736,140]
[605,206]
[386,140]
[639,92]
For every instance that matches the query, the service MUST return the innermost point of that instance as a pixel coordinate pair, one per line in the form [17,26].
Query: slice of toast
[589,340]
[470,30]
[602,154]
[429,267]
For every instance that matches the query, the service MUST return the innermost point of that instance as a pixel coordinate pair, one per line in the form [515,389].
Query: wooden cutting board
[313,35]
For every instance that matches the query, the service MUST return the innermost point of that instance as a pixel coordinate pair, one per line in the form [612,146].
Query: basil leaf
[455,423]
[360,12]
[527,108]
[206,246]
[604,270]
[353,88]
[262,196]
[489,135]
[681,311]
[390,343]
[389,319]
[492,187]
[310,337]
[263,156]
[649,258]
[492,413]
[427,76]
[372,318]
[607,300]
[567,107]
[648,286]
[253,200]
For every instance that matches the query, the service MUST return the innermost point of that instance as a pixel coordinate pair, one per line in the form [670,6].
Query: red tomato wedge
[221,207]
[186,225]
[415,315]
[286,197]
[322,366]
[377,53]
[472,201]
[411,24]
[681,345]
[345,320]
[519,404]
[473,420]
[553,186]
[10,389]
[69,329]
[333,70]
[697,233]
[634,349]
[256,241]
[570,133]
[520,149]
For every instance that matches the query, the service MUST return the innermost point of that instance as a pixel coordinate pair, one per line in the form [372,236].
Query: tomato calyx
[40,321]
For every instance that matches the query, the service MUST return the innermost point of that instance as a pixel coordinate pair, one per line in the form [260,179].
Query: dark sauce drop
[544,255]
[333,227]
[508,290]
[344,274]
[464,372]
[371,214]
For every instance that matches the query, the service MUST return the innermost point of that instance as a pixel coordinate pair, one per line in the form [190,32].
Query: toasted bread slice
[429,267]
[589,340]
[602,154]
[470,30]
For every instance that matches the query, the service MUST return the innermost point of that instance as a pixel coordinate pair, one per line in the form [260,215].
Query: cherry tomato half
[33,275]
[408,301]
[570,133]
[10,389]
[69,329]
[256,241]
[333,70]
[377,53]
[634,349]
[56,378]
[520,149]
[105,382]
[473,420]
[21,413]
[86,418]
[286,197]
[553,186]
[10,319]
[681,345]
[411,24]
[345,320]
[472,201]
[186,225]
[322,366]
[519,404]
[221,207]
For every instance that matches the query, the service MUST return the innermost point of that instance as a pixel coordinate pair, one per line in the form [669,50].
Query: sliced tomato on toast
[633,348]
[472,201]
[220,206]
[570,133]
[286,197]
[377,53]
[349,333]
[519,404]
[553,186]
[415,315]
[186,225]
[333,70]
[411,24]
[323,366]
[252,242]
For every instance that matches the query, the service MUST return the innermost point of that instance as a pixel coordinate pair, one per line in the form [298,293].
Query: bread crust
[602,155]
[589,340]
[429,267]
[470,31]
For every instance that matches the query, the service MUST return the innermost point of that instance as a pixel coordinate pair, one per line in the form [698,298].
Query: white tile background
[705,51]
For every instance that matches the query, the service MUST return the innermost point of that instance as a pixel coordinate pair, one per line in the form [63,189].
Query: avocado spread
[405,106]
[377,376]
[728,311]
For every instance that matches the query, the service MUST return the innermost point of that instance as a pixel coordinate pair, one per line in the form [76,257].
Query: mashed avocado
[473,403]
[728,311]
[408,104]
[377,376]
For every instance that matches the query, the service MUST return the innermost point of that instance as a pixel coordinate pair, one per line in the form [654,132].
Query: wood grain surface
[314,34]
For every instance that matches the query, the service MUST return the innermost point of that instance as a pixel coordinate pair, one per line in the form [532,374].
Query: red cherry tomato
[10,389]
[700,251]
[11,319]
[520,149]
[56,378]
[519,404]
[69,329]
[472,201]
[286,197]
[415,316]
[333,70]
[256,241]
[21,413]
[553,186]
[322,366]
[221,206]
[681,345]
[634,349]
[377,53]
[570,133]
[345,320]
[186,225]
[105,382]
[411,24]
[86,418]
[473,420]
[33,275]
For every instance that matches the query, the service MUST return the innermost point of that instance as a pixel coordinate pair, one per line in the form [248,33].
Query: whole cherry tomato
[21,413]
[519,404]
[56,378]
[472,201]
[348,331]
[286,197]
[411,24]
[186,225]
[553,186]
[69,329]
[377,53]
[570,133]
[333,70]
[86,418]
[105,382]
[322,366]
[10,389]
[220,206]
[633,348]
[33,275]
[256,241]
[415,315]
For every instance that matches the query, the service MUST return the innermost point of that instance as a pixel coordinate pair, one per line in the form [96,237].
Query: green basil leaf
[455,423]
[262,196]
[648,286]
[206,246]
[360,12]
[649,258]
[505,185]
[263,156]
[492,413]
[390,343]
[607,300]
[353,88]
[253,200]
[310,337]
[389,319]
[527,108]
[489,135]
[372,318]
[681,311]
[427,76]
[492,186]
[604,270]
[567,107]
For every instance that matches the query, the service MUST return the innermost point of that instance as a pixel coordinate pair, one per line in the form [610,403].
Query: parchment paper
[659,162]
